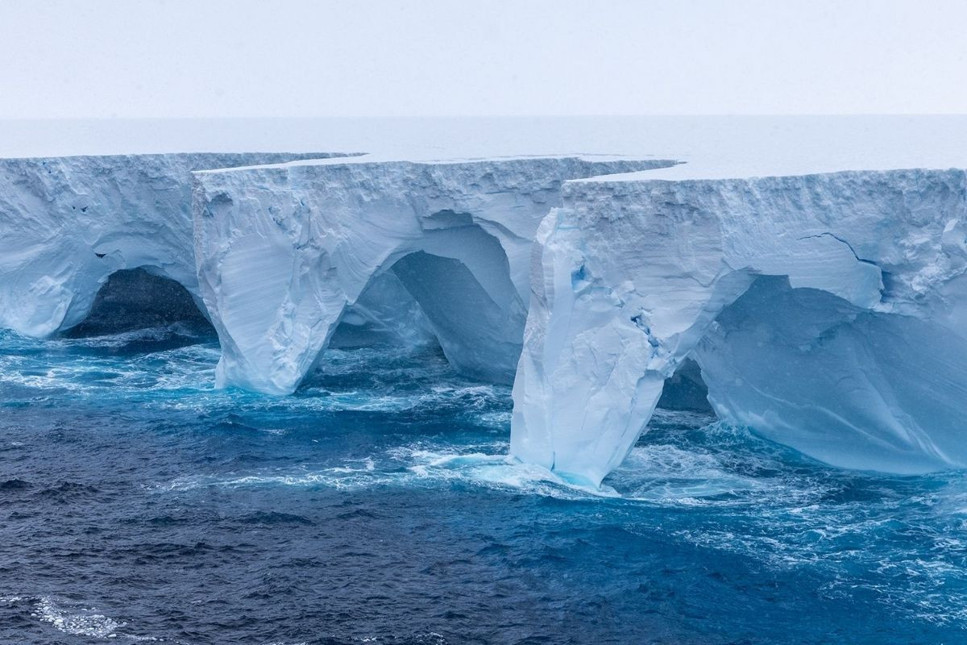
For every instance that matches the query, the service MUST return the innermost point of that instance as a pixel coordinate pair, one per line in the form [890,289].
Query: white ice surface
[712,146]
[631,277]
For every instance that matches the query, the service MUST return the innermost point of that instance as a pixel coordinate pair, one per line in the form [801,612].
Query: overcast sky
[198,58]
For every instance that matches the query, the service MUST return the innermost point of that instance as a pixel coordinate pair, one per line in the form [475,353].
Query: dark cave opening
[685,389]
[134,299]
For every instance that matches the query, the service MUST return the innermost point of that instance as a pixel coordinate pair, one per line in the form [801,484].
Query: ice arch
[458,275]
[285,252]
[67,223]
[632,277]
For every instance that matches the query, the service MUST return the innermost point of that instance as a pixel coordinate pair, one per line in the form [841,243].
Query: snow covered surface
[812,266]
[712,146]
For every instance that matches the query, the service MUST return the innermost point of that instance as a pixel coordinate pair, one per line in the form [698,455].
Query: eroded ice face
[847,344]
[587,293]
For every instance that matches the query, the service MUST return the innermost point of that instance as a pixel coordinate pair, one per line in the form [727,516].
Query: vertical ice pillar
[619,297]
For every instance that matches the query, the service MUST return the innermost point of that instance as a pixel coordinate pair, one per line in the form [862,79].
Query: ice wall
[826,311]
[67,223]
[283,251]
[631,277]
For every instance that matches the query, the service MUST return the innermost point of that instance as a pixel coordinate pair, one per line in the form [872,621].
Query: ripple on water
[120,458]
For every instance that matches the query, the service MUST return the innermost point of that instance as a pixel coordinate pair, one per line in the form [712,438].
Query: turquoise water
[377,506]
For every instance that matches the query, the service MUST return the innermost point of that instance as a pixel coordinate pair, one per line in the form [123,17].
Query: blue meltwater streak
[377,505]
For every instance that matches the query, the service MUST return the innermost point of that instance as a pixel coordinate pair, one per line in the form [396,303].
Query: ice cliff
[285,252]
[826,311]
[68,223]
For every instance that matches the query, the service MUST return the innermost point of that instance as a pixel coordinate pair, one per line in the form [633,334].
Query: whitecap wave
[75,620]
[654,474]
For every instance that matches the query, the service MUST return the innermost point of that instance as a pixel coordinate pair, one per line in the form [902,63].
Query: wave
[74,619]
[400,421]
[654,473]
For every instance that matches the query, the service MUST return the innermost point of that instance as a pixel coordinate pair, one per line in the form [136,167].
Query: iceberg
[825,312]
[286,252]
[821,305]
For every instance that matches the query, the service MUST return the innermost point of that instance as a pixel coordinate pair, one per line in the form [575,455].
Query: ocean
[378,505]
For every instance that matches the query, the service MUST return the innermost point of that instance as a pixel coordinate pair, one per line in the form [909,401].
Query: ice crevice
[846,243]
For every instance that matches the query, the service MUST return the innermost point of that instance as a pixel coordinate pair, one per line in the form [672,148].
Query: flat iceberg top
[746,147]
[712,147]
[395,162]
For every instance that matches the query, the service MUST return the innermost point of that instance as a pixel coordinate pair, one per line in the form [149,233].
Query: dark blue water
[376,506]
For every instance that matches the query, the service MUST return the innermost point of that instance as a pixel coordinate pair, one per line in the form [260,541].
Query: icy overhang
[632,276]
[819,288]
